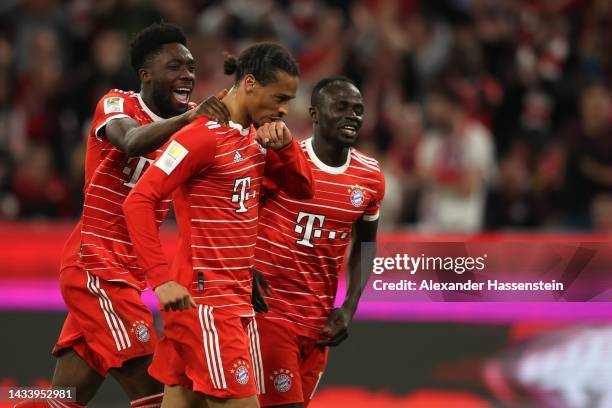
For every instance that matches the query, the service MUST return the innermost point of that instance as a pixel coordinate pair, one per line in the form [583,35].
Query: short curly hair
[319,88]
[149,41]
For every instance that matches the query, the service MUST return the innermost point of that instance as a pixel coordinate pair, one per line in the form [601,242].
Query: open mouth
[349,129]
[182,95]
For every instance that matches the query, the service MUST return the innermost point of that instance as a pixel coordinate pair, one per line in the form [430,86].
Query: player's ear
[144,75]
[312,111]
[249,83]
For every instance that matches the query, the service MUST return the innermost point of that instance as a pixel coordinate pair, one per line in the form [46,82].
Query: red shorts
[107,322]
[293,365]
[210,351]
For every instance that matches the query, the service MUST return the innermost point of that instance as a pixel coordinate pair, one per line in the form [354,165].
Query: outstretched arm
[135,140]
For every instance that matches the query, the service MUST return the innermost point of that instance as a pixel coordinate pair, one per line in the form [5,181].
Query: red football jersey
[217,172]
[100,243]
[302,243]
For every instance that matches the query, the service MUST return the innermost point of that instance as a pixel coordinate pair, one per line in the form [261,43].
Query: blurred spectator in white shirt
[455,162]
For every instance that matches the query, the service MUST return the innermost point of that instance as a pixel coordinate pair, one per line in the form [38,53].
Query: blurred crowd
[485,114]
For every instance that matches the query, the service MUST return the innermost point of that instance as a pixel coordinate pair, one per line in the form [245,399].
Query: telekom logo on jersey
[242,194]
[137,171]
[308,229]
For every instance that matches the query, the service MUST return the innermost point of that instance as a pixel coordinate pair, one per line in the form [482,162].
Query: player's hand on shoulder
[273,135]
[212,108]
[335,330]
[174,296]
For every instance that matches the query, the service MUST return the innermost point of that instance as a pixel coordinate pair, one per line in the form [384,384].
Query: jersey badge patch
[356,195]
[240,369]
[171,157]
[113,104]
[282,380]
[141,331]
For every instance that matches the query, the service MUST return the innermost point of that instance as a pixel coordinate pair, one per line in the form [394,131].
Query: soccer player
[108,328]
[302,244]
[209,355]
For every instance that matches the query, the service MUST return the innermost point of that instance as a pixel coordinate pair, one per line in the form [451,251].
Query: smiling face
[338,115]
[270,102]
[169,74]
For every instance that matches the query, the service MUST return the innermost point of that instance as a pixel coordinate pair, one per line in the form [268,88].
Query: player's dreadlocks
[150,40]
[262,60]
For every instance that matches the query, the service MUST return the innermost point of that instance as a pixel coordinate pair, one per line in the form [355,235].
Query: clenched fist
[273,135]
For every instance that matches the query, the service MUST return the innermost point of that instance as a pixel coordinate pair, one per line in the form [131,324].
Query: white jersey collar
[239,128]
[323,166]
[147,110]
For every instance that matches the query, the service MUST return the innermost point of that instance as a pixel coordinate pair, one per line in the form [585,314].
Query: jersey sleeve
[287,169]
[187,153]
[113,105]
[372,211]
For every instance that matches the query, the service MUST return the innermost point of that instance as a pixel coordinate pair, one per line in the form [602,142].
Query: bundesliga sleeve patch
[113,104]
[172,156]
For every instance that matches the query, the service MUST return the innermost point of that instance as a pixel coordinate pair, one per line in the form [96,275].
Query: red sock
[51,403]
[152,401]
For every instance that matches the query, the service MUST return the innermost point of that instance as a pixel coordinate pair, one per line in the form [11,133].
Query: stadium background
[535,74]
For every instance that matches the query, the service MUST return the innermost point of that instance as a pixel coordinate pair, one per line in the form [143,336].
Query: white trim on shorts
[255,351]
[210,338]
[115,324]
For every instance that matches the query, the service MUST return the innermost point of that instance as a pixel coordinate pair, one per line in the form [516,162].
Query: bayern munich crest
[240,369]
[356,195]
[141,331]
[282,380]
